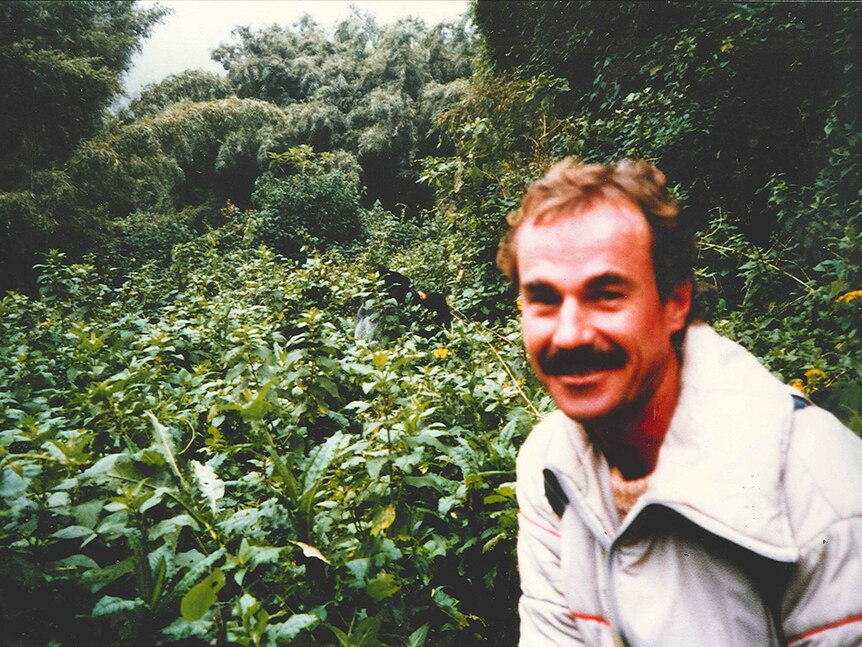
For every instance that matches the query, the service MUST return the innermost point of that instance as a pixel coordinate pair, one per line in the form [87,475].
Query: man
[681,495]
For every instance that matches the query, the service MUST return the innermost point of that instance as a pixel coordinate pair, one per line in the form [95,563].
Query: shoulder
[536,444]
[532,459]
[823,473]
[824,500]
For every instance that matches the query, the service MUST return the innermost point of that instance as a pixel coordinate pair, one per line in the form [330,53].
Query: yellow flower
[440,353]
[813,373]
[798,385]
[850,296]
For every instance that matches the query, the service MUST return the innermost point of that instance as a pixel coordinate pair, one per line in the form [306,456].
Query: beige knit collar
[626,493]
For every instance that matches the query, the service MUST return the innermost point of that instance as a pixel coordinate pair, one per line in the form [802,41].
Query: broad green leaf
[383,519]
[12,485]
[290,628]
[358,568]
[98,578]
[320,461]
[172,526]
[258,407]
[202,596]
[73,532]
[196,571]
[449,605]
[417,638]
[109,605]
[382,586]
[79,561]
[158,581]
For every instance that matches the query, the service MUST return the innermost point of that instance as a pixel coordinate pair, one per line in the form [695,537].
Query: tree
[362,90]
[187,154]
[191,85]
[724,96]
[61,64]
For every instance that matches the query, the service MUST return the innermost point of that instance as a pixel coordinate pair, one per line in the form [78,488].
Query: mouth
[582,378]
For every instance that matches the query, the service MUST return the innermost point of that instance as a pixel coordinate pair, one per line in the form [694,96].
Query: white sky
[184,40]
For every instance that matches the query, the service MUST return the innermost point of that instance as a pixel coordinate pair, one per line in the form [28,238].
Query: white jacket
[749,533]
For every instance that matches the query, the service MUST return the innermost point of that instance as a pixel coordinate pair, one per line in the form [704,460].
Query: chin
[583,405]
[584,412]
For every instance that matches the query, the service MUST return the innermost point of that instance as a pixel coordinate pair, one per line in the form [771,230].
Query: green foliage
[192,85]
[503,137]
[72,175]
[143,237]
[371,90]
[722,96]
[215,146]
[133,187]
[193,447]
[59,70]
[308,200]
[61,64]
[205,453]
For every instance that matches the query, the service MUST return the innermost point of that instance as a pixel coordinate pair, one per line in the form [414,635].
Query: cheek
[532,336]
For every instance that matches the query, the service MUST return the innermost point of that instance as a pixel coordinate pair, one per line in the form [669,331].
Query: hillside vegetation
[195,448]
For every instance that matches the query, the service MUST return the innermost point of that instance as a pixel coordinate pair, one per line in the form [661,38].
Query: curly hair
[571,187]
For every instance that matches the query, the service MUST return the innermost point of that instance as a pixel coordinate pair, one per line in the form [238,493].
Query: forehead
[606,237]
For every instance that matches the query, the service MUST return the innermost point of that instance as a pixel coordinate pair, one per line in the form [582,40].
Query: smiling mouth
[582,376]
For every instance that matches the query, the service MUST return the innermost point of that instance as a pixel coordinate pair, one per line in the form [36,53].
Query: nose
[573,327]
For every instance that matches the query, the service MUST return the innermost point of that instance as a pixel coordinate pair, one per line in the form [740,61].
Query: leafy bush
[205,455]
[306,200]
[143,237]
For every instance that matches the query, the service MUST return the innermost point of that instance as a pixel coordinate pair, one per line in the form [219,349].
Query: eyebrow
[535,289]
[606,280]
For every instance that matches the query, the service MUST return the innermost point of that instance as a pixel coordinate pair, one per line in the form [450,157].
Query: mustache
[582,360]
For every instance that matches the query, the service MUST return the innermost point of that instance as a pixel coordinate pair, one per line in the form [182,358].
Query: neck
[631,439]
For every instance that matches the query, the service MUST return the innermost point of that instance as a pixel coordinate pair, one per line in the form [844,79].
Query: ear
[677,306]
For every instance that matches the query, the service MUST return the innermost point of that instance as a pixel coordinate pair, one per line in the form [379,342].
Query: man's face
[597,334]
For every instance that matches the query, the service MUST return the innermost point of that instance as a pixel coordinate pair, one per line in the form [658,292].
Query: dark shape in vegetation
[380,316]
[436,304]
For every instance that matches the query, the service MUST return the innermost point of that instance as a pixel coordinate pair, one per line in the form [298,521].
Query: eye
[611,295]
[608,297]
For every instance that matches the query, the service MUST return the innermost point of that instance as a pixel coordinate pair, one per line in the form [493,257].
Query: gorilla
[375,320]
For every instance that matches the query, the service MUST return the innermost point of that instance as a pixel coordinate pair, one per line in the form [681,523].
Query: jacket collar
[721,463]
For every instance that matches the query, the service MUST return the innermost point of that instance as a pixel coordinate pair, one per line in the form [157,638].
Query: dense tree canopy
[191,85]
[61,64]
[725,95]
[71,172]
[368,89]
